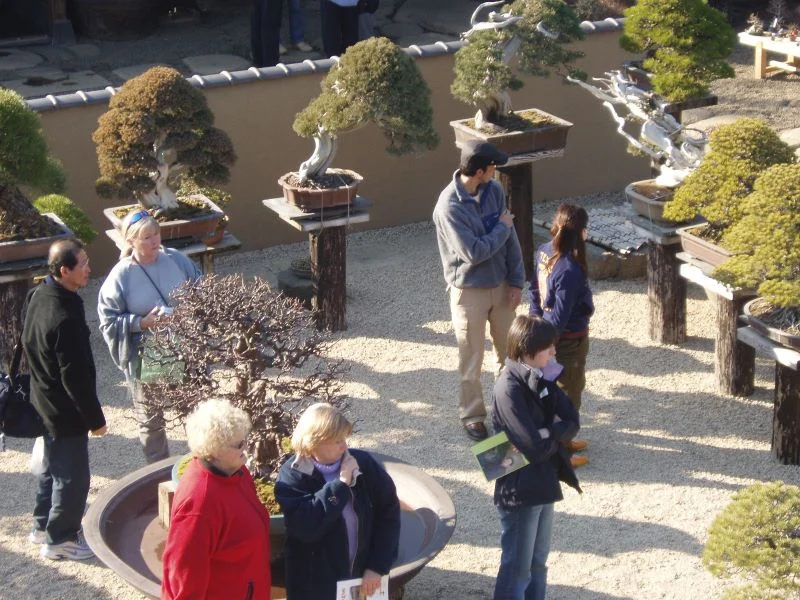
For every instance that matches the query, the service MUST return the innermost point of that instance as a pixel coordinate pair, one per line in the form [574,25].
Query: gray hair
[213,425]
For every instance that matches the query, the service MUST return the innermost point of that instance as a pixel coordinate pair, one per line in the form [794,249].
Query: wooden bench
[763,45]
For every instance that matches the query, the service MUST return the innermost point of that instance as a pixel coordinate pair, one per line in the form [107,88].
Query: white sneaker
[282,49]
[37,536]
[304,46]
[77,550]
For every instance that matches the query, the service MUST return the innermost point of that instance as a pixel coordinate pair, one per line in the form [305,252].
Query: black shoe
[477,431]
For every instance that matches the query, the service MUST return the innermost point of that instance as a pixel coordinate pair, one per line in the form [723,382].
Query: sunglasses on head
[139,216]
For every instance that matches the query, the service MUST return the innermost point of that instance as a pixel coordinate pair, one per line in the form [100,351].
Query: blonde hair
[133,226]
[213,425]
[320,423]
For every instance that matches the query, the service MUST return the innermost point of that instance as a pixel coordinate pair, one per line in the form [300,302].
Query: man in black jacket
[56,343]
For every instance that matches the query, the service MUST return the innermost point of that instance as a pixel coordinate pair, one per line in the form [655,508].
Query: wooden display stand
[516,177]
[666,290]
[764,44]
[204,253]
[786,411]
[734,361]
[327,233]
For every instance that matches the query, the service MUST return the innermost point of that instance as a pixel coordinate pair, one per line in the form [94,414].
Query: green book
[497,456]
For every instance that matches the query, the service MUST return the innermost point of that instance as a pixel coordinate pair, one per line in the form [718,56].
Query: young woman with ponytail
[560,294]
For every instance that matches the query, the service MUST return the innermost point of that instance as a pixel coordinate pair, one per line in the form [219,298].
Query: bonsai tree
[242,341]
[157,132]
[534,31]
[24,163]
[739,152]
[686,44]
[766,242]
[373,81]
[757,537]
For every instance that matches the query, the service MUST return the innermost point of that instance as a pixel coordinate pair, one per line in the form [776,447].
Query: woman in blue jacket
[540,421]
[340,508]
[560,294]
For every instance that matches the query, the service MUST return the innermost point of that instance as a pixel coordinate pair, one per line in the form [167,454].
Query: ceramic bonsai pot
[199,227]
[776,335]
[122,526]
[701,249]
[550,133]
[648,199]
[32,248]
[317,198]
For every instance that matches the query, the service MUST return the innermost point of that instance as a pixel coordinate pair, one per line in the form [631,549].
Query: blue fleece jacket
[477,249]
[562,295]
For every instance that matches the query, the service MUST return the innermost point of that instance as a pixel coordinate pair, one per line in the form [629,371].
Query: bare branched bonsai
[157,131]
[686,45]
[24,163]
[242,341]
[374,81]
[534,31]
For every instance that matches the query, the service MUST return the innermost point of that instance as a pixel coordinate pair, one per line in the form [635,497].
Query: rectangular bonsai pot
[645,205]
[311,198]
[199,227]
[32,248]
[547,136]
[701,249]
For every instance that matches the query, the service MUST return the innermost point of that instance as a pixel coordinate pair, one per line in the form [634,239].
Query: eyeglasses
[139,216]
[239,446]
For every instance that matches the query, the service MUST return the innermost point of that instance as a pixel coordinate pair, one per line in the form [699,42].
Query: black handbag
[18,417]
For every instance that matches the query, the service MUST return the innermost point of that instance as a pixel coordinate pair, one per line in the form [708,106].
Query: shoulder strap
[166,302]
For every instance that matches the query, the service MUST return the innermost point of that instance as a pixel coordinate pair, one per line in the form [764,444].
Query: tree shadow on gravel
[617,354]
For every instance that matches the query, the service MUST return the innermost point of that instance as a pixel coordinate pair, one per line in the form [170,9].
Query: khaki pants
[571,354]
[471,308]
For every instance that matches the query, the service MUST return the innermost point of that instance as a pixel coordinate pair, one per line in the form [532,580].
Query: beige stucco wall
[258,117]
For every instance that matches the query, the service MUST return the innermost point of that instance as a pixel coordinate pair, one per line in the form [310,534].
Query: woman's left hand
[371,583]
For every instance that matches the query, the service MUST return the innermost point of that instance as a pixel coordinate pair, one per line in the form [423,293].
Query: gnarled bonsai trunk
[161,195]
[493,108]
[325,146]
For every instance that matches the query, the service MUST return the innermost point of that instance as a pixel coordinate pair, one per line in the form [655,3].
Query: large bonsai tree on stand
[157,134]
[531,36]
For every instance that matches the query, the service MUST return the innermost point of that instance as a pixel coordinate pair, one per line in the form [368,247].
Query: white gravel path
[667,451]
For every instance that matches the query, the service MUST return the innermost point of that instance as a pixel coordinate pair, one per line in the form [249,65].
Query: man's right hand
[99,432]
[507,219]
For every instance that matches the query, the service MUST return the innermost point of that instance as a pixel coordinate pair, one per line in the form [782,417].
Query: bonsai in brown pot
[532,35]
[157,145]
[376,82]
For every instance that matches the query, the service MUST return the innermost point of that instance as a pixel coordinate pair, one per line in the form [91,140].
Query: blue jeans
[62,488]
[525,544]
[297,25]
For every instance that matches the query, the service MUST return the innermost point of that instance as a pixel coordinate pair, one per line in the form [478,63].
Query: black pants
[265,32]
[339,27]
[62,488]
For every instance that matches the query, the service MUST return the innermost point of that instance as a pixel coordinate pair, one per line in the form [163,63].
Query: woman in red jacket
[218,541]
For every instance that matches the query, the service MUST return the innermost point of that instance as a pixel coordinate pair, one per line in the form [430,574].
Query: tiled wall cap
[227,78]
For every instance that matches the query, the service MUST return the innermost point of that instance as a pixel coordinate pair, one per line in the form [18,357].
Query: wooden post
[517,182]
[734,362]
[666,290]
[760,62]
[328,268]
[786,415]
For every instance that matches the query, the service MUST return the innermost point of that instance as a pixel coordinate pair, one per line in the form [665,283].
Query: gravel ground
[667,451]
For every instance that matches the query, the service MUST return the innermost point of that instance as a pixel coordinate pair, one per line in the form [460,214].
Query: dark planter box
[643,204]
[32,248]
[701,249]
[199,227]
[309,198]
[114,19]
[776,335]
[549,136]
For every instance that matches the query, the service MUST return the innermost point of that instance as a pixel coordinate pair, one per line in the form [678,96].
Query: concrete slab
[126,73]
[791,137]
[448,21]
[37,86]
[12,59]
[83,50]
[710,124]
[210,64]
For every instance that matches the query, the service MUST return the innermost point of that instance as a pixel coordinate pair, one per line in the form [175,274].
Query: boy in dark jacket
[540,421]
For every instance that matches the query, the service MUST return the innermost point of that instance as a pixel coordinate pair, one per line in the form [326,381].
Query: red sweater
[218,541]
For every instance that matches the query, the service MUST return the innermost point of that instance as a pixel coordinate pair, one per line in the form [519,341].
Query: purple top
[331,473]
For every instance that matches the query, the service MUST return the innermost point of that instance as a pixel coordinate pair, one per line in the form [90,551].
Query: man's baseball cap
[479,155]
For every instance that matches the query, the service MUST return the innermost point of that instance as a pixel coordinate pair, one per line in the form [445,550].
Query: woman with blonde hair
[340,508]
[135,294]
[218,541]
[560,294]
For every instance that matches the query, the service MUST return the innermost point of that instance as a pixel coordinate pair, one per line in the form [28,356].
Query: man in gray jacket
[483,269]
